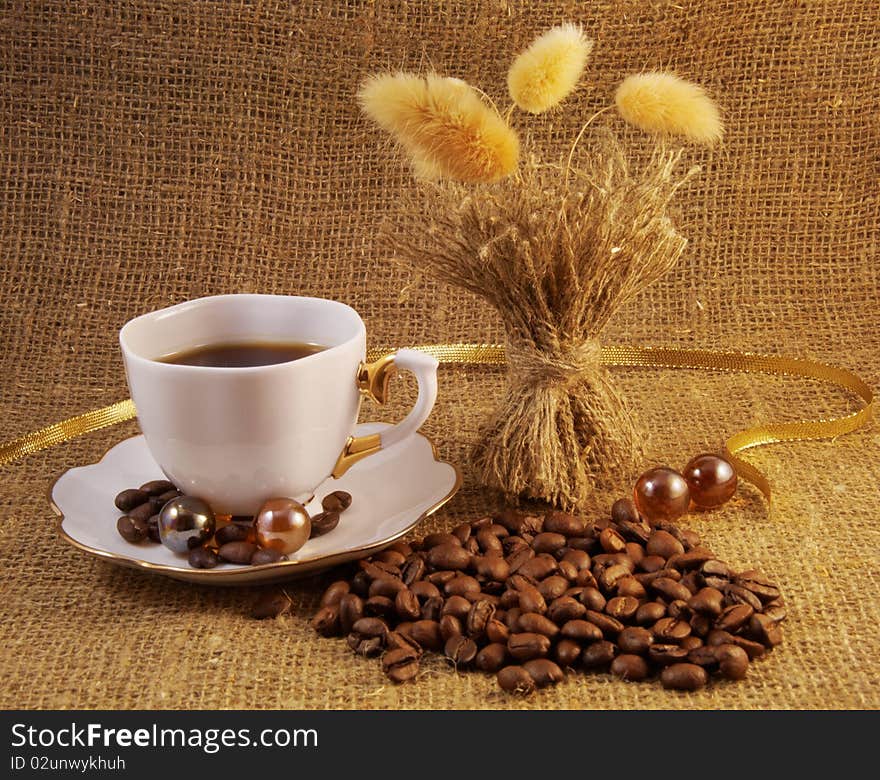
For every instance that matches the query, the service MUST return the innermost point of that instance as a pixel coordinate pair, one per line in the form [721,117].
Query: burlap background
[158,151]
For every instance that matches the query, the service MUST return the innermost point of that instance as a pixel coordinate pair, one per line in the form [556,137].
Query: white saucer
[391,492]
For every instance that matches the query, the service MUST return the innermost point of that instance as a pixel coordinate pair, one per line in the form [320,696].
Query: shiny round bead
[282,524]
[711,480]
[185,522]
[662,494]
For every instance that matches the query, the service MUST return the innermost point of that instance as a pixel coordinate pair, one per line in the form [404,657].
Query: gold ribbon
[618,356]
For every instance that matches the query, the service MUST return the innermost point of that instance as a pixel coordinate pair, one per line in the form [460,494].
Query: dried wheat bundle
[556,252]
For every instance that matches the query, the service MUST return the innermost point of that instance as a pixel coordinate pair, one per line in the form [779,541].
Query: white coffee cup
[239,436]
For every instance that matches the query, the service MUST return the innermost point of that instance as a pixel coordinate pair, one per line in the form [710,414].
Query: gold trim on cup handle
[373,380]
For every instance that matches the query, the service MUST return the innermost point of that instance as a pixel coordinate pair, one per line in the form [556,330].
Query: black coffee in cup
[242,354]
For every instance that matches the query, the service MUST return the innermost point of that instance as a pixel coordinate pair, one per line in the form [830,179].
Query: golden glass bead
[282,524]
[711,480]
[661,494]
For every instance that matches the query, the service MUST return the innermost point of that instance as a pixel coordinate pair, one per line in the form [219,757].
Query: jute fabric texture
[157,151]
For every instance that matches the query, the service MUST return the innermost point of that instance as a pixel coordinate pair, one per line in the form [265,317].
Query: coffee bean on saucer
[233,532]
[157,487]
[203,558]
[153,529]
[132,529]
[265,555]
[337,501]
[271,604]
[324,522]
[237,552]
[142,512]
[157,502]
[129,499]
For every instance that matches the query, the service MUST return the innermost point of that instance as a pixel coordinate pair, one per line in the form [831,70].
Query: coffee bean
[427,633]
[548,542]
[143,512]
[649,613]
[450,626]
[326,621]
[630,667]
[565,608]
[670,589]
[563,523]
[132,529]
[586,579]
[679,610]
[734,617]
[715,570]
[693,559]
[531,600]
[360,584]
[407,604]
[593,599]
[671,630]
[203,558]
[532,622]
[691,642]
[460,650]
[630,586]
[707,656]
[525,646]
[156,487]
[458,606]
[379,606]
[635,640]
[462,585]
[432,609]
[237,552]
[775,610]
[157,502]
[567,653]
[520,522]
[758,584]
[552,587]
[612,541]
[598,654]
[766,630]
[622,607]
[491,658]
[733,661]
[480,615]
[399,640]
[351,610]
[624,511]
[608,625]
[543,671]
[273,603]
[424,590]
[449,557]
[610,576]
[707,601]
[371,627]
[323,523]
[683,677]
[581,631]
[637,532]
[492,568]
[337,501]
[497,631]
[413,570]
[153,529]
[232,532]
[717,637]
[580,559]
[129,499]
[736,594]
[400,665]
[515,679]
[369,647]
[652,563]
[664,544]
[663,654]
[539,567]
[386,586]
[263,556]
[334,593]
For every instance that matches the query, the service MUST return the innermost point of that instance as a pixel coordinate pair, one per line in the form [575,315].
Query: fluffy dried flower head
[666,104]
[547,72]
[443,125]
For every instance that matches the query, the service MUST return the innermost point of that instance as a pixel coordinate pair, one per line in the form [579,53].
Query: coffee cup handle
[373,380]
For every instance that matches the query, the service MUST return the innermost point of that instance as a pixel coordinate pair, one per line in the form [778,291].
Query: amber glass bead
[282,524]
[662,494]
[711,479]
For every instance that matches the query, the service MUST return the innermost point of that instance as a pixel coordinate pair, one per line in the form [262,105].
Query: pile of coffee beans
[526,596]
[235,538]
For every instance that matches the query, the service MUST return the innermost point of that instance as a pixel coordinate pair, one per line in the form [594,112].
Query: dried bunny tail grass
[664,103]
[443,125]
[547,72]
[556,257]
